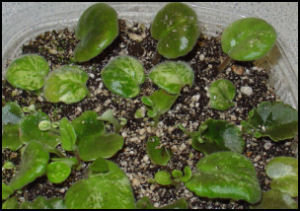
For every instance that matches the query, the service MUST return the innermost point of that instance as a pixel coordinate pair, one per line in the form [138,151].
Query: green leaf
[172,76]
[8,165]
[219,135]
[99,166]
[144,203]
[11,203]
[66,84]
[68,134]
[177,174]
[109,117]
[139,113]
[6,191]
[27,72]
[123,76]
[11,113]
[70,161]
[44,125]
[226,175]
[110,190]
[96,29]
[43,203]
[176,28]
[275,199]
[101,145]
[158,155]
[284,172]
[30,130]
[221,93]
[178,204]
[163,178]
[187,174]
[276,120]
[248,39]
[11,137]
[58,172]
[33,164]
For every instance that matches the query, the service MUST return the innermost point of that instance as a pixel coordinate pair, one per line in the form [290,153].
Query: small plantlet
[180,177]
[123,76]
[172,76]
[139,113]
[57,172]
[221,93]
[97,28]
[28,72]
[159,156]
[44,125]
[247,39]
[176,28]
[68,135]
[66,84]
[163,178]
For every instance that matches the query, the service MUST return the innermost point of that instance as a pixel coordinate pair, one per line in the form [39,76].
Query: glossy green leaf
[176,28]
[102,145]
[68,134]
[248,39]
[163,178]
[275,199]
[109,117]
[276,120]
[11,137]
[58,172]
[96,29]
[27,72]
[11,203]
[111,190]
[66,84]
[172,76]
[221,93]
[6,191]
[11,113]
[30,130]
[123,76]
[33,164]
[226,175]
[284,172]
[99,166]
[158,155]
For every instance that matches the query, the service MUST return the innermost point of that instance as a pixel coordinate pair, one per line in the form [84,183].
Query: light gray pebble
[247,90]
[267,145]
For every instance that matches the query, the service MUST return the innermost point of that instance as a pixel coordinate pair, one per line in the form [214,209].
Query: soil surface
[190,110]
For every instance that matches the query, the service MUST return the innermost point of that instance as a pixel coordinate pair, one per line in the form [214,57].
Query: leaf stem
[224,64]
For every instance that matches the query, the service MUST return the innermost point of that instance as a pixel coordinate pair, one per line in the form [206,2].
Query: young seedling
[180,177]
[158,155]
[68,135]
[247,39]
[163,178]
[97,28]
[28,72]
[57,172]
[66,84]
[139,113]
[176,28]
[123,76]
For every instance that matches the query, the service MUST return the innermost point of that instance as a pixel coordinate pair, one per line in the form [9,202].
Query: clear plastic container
[35,19]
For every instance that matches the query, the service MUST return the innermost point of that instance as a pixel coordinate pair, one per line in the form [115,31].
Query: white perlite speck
[247,90]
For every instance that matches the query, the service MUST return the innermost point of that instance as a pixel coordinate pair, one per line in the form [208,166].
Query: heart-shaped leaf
[163,178]
[273,119]
[123,76]
[226,175]
[30,130]
[284,172]
[33,164]
[68,134]
[96,29]
[28,72]
[159,156]
[11,137]
[57,172]
[66,84]
[248,39]
[109,190]
[221,93]
[11,113]
[176,28]
[101,145]
[172,76]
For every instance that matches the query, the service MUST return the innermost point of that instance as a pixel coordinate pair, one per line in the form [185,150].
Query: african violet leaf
[66,84]
[221,93]
[187,174]
[11,137]
[33,164]
[11,113]
[276,120]
[225,175]
[6,191]
[109,117]
[144,203]
[27,72]
[11,203]
[111,190]
[179,204]
[177,174]
[101,145]
[172,76]
[159,156]
[176,28]
[30,130]
[123,76]
[57,172]
[96,29]
[99,166]
[70,161]
[284,172]
[68,134]
[274,199]
[248,39]
[163,178]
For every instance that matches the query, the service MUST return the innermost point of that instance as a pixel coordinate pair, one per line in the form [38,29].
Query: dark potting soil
[190,110]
